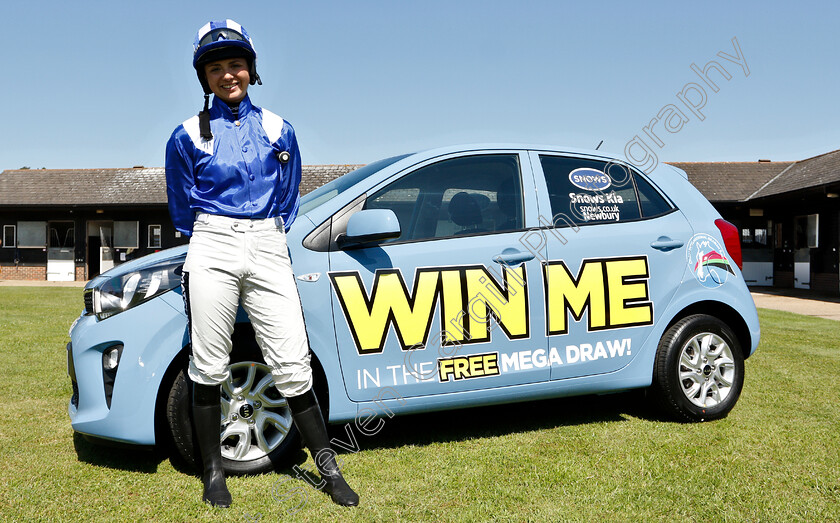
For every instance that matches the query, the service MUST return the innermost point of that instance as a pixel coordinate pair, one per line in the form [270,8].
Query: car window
[583,191]
[653,203]
[455,197]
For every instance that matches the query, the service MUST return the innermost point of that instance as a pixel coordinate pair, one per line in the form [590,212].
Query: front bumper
[151,334]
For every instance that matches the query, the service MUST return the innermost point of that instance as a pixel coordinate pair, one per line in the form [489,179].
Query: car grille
[88,301]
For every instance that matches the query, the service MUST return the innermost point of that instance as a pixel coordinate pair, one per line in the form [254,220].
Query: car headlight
[123,292]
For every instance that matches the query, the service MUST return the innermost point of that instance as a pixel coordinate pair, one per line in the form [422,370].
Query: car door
[447,306]
[616,256]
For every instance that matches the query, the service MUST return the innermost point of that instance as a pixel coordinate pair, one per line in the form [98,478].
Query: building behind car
[73,224]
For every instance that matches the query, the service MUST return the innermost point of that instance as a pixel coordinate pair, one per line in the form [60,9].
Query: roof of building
[36,187]
[717,181]
[314,176]
[730,181]
[135,186]
[812,172]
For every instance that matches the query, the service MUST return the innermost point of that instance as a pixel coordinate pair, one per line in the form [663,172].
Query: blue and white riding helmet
[221,39]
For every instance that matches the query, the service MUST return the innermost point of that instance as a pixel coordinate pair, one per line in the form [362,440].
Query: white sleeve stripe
[191,126]
[272,125]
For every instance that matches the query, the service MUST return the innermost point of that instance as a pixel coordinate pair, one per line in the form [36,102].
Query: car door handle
[663,243]
[511,256]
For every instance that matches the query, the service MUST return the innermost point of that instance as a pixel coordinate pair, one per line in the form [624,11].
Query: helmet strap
[204,120]
[252,71]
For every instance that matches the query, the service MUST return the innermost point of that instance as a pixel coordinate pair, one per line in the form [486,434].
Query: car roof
[517,146]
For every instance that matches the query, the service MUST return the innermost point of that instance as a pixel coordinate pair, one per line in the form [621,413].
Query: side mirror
[368,227]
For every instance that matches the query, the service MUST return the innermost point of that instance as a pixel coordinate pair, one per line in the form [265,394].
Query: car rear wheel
[256,429]
[699,369]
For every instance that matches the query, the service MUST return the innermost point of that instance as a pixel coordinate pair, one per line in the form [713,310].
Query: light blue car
[445,279]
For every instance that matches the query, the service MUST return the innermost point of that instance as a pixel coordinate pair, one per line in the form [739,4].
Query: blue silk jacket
[239,172]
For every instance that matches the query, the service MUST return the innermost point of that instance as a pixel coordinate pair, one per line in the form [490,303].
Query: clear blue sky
[103,84]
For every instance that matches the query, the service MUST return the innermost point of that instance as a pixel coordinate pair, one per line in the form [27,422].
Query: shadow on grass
[418,430]
[414,429]
[147,459]
[499,420]
[104,454]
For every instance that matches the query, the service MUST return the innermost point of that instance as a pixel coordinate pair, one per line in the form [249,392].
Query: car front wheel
[256,429]
[699,369]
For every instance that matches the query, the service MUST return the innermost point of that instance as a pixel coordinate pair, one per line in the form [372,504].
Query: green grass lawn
[775,458]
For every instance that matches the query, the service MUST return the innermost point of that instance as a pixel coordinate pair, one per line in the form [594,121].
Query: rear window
[653,203]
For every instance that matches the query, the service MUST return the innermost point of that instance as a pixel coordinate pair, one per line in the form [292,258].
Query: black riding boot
[309,421]
[207,415]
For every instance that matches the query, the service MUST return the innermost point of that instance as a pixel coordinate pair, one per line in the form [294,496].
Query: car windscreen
[332,189]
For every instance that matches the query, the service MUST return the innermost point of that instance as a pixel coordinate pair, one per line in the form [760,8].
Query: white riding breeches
[233,260]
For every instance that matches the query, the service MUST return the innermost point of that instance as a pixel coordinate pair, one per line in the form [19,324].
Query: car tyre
[699,369]
[256,429]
